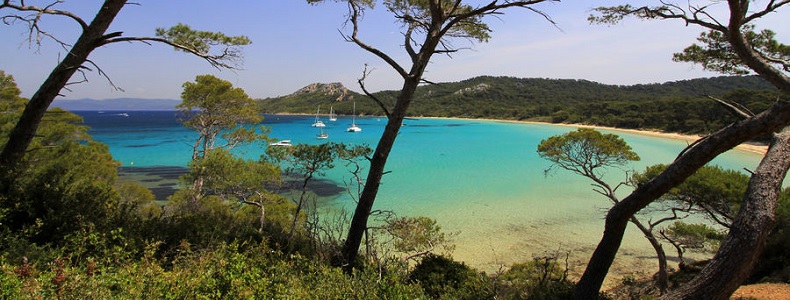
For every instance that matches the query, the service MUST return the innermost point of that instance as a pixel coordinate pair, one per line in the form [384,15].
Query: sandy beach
[750,147]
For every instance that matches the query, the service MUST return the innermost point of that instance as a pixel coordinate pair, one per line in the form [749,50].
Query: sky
[295,44]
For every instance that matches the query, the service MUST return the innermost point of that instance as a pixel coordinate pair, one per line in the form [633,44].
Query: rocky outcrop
[474,89]
[335,88]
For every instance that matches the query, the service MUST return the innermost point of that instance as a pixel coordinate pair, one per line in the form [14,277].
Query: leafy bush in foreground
[222,273]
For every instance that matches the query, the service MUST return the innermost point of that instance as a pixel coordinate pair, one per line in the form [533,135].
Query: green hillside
[679,106]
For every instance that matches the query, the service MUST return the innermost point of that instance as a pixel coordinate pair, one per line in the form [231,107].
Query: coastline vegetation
[124,245]
[680,107]
[70,230]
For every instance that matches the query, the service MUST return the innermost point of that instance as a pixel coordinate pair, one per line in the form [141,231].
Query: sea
[481,180]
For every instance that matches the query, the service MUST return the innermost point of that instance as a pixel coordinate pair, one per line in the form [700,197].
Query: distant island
[126,104]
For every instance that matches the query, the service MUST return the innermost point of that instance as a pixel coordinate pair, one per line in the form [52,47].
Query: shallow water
[480,179]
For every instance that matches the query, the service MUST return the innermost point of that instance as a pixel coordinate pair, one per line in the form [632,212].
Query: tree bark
[661,276]
[22,134]
[377,163]
[771,120]
[744,243]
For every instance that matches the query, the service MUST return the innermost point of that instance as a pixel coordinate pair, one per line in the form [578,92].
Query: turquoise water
[480,179]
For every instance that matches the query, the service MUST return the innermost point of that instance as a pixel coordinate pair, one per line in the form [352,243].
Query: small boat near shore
[318,122]
[281,143]
[332,116]
[322,134]
[354,127]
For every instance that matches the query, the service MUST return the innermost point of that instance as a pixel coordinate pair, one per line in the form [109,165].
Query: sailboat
[318,122]
[332,116]
[354,127]
[322,134]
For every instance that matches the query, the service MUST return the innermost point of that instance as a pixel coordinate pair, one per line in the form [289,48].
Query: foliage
[717,54]
[65,182]
[416,236]
[417,15]
[243,181]
[697,237]
[11,103]
[137,201]
[91,35]
[586,151]
[205,223]
[230,271]
[201,41]
[672,106]
[444,278]
[302,162]
[540,278]
[713,191]
[212,106]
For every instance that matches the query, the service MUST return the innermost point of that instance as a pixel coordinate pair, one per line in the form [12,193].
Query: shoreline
[756,148]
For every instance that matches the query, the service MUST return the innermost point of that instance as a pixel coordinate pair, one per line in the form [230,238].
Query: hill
[553,100]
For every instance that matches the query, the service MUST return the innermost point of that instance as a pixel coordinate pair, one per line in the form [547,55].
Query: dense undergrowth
[247,271]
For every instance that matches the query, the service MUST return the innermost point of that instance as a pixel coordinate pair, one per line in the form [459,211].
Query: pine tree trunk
[774,118]
[377,163]
[22,134]
[661,276]
[744,243]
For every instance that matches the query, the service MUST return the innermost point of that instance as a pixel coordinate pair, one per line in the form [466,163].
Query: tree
[752,218]
[774,263]
[136,202]
[91,38]
[429,25]
[698,237]
[416,237]
[66,182]
[214,109]
[236,179]
[308,161]
[712,191]
[590,153]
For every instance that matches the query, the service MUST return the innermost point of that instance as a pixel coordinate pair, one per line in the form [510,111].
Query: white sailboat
[318,122]
[282,143]
[322,134]
[354,127]
[332,116]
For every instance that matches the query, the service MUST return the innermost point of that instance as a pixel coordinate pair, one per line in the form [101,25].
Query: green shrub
[228,271]
[444,278]
[541,278]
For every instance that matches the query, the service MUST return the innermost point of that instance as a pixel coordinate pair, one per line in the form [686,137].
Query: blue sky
[295,44]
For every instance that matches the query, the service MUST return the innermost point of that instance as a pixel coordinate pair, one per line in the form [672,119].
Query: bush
[541,278]
[444,278]
[228,271]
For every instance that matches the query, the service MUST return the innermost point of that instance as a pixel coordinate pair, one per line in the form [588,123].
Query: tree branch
[739,111]
[769,8]
[354,12]
[361,82]
[47,10]
[228,54]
